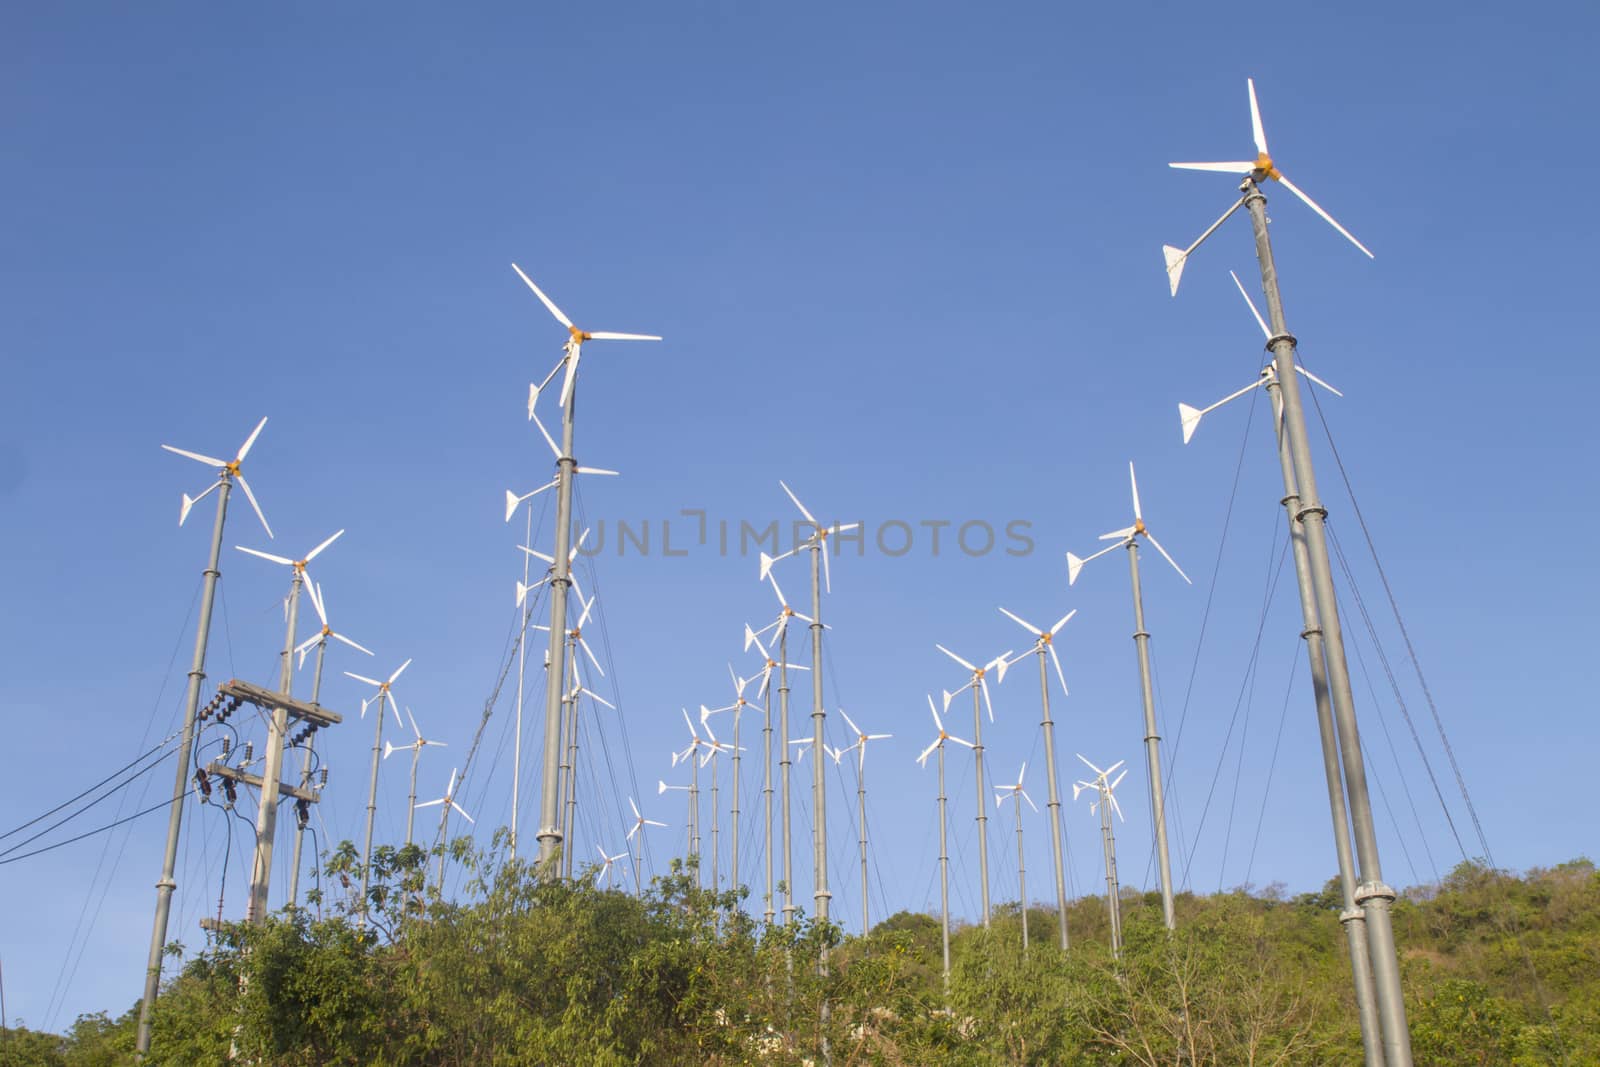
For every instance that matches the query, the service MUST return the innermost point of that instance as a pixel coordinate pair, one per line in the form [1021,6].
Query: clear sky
[905,257]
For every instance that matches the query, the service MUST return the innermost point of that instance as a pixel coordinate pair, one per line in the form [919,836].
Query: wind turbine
[780,631]
[513,500]
[1044,646]
[383,696]
[320,639]
[692,753]
[605,865]
[445,803]
[1376,896]
[1351,917]
[639,823]
[550,837]
[820,572]
[226,474]
[691,831]
[980,697]
[944,852]
[737,707]
[1129,538]
[277,728]
[415,748]
[1106,802]
[714,748]
[1016,794]
[860,747]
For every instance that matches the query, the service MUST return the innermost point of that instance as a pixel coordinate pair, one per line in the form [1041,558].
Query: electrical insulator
[226,744]
[229,791]
[323,777]
[203,781]
[249,752]
[302,812]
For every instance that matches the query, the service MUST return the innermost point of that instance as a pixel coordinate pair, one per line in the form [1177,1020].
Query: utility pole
[1152,739]
[272,771]
[944,866]
[981,793]
[819,714]
[1022,874]
[305,777]
[1108,842]
[784,764]
[1350,917]
[1373,896]
[524,612]
[180,788]
[766,782]
[550,837]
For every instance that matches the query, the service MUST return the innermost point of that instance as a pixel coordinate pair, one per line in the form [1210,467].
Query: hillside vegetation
[1498,969]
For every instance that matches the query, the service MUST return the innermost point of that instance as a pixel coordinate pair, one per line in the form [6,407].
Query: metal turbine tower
[1129,538]
[1043,647]
[860,747]
[278,726]
[737,707]
[691,752]
[1372,895]
[550,839]
[1351,917]
[980,697]
[228,471]
[781,626]
[1106,802]
[639,823]
[944,851]
[320,639]
[415,748]
[384,696]
[445,803]
[1016,794]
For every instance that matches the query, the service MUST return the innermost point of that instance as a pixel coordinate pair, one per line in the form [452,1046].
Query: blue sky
[905,258]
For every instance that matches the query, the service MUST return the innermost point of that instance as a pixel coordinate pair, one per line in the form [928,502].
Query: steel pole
[1055,796]
[1350,917]
[1152,740]
[1022,871]
[550,838]
[411,798]
[716,805]
[372,799]
[819,714]
[983,809]
[1113,891]
[861,808]
[305,776]
[272,771]
[694,816]
[766,788]
[524,612]
[944,874]
[733,859]
[1373,895]
[570,782]
[784,763]
[180,787]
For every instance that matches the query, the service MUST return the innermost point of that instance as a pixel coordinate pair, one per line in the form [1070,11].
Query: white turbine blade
[244,449]
[853,727]
[317,602]
[982,685]
[1133,481]
[436,744]
[935,713]
[1059,676]
[960,741]
[266,555]
[1024,623]
[450,790]
[923,759]
[210,461]
[809,517]
[1115,806]
[1252,305]
[596,696]
[1329,219]
[1164,555]
[362,678]
[534,552]
[545,300]
[596,470]
[584,617]
[463,813]
[1176,259]
[1255,119]
[1239,167]
[574,353]
[827,568]
[551,441]
[606,335]
[315,552]
[248,495]
[1319,381]
[689,723]
[1029,799]
[635,808]
[652,822]
[959,660]
[414,729]
[1091,766]
[587,651]
[398,671]
[1118,535]
[431,803]
[1118,782]
[1062,622]
[1023,773]
[300,649]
